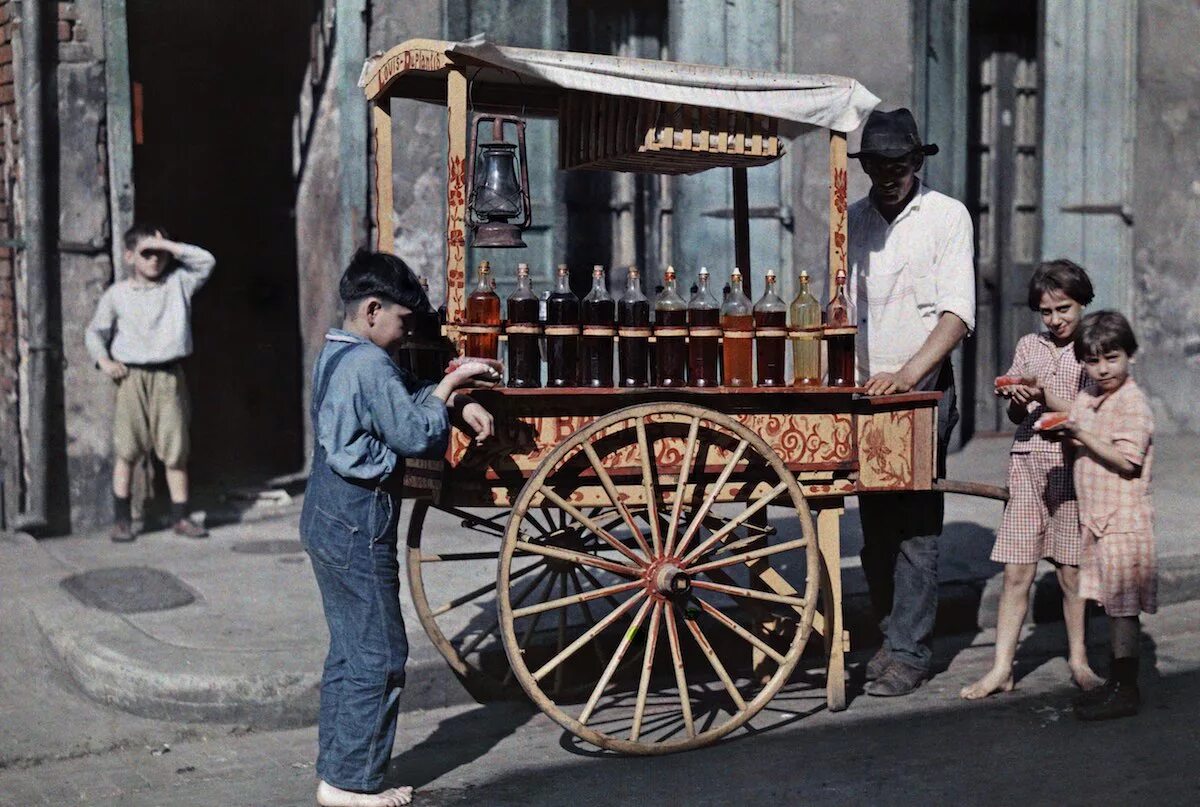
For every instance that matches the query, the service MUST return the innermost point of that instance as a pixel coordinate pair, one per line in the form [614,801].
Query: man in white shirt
[911,256]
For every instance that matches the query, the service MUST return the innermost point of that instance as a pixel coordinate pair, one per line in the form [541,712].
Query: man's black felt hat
[891,135]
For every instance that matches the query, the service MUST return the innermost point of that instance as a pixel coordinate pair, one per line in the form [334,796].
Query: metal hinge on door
[781,212]
[1124,211]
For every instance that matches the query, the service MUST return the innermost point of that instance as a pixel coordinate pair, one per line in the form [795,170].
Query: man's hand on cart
[887,384]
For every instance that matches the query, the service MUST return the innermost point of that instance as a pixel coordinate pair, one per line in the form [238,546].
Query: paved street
[928,748]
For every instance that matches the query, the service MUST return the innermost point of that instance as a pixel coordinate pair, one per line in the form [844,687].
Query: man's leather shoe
[898,679]
[878,664]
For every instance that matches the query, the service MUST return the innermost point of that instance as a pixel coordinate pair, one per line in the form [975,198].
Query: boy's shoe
[878,664]
[122,532]
[1115,700]
[189,529]
[898,679]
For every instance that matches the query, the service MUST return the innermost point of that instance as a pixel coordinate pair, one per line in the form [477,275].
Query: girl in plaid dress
[1112,427]
[1041,519]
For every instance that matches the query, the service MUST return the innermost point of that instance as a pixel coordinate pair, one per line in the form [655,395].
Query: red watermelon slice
[1051,421]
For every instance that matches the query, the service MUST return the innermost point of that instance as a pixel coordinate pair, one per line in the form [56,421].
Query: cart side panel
[897,448]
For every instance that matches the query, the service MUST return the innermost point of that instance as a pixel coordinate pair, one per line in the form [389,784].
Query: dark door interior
[1004,182]
[219,82]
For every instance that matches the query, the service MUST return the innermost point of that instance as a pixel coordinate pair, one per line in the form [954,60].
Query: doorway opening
[216,85]
[1004,193]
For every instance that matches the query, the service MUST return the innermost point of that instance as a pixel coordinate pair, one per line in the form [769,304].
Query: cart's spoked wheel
[712,609]
[452,580]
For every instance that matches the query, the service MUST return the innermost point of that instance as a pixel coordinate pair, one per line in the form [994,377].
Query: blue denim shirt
[374,412]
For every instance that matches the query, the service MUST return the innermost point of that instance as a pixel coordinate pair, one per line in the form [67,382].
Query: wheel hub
[665,578]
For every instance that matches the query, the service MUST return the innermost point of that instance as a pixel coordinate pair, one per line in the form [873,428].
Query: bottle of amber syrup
[524,352]
[670,334]
[597,313]
[737,326]
[806,336]
[704,335]
[633,333]
[483,317]
[840,331]
[562,333]
[770,336]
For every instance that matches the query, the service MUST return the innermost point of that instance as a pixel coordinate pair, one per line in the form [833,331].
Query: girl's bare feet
[1084,677]
[994,681]
[330,796]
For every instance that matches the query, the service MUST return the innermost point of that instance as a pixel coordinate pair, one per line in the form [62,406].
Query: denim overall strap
[326,376]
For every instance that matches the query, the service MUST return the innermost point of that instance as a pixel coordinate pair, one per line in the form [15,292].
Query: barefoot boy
[368,415]
[141,331]
[1112,427]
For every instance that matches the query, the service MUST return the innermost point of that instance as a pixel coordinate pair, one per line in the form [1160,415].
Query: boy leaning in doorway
[141,331]
[368,415]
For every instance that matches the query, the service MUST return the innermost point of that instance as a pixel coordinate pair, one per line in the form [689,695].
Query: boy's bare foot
[1085,677]
[330,796]
[994,681]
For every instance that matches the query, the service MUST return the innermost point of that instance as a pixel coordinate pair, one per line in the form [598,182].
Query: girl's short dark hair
[1061,275]
[381,274]
[140,230]
[1104,331]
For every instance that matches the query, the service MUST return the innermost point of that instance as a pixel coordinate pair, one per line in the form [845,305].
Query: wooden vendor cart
[651,561]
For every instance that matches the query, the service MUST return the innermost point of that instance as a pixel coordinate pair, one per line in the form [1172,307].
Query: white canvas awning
[827,101]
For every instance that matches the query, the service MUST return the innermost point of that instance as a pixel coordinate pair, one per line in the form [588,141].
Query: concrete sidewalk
[248,647]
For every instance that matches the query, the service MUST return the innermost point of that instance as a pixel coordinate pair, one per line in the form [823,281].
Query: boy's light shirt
[150,323]
[374,412]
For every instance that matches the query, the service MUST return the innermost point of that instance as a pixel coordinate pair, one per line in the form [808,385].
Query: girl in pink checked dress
[1041,519]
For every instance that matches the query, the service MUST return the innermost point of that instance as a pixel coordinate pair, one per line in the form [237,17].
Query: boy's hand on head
[156,242]
[114,369]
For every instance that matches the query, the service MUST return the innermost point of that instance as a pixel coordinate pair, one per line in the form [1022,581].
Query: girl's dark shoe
[1114,700]
[189,529]
[122,532]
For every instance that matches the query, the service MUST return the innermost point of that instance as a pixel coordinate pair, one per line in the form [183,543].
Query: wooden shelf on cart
[552,392]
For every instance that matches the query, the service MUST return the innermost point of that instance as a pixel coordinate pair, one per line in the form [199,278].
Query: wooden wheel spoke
[715,662]
[610,490]
[725,620]
[530,629]
[733,560]
[479,592]
[587,636]
[685,703]
[751,594]
[639,710]
[711,498]
[615,661]
[734,523]
[444,557]
[591,525]
[477,523]
[591,578]
[469,647]
[652,499]
[576,599]
[685,466]
[580,558]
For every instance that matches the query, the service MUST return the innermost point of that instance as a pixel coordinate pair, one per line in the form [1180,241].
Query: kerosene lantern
[497,194]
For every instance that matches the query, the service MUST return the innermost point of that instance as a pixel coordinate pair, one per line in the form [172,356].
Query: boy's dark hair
[1104,331]
[140,230]
[1061,275]
[380,274]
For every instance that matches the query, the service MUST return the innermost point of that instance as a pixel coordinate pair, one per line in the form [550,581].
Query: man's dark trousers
[900,551]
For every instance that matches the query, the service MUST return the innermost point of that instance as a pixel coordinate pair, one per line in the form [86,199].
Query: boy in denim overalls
[368,414]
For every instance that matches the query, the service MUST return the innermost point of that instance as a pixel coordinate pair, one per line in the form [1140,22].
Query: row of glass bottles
[689,335]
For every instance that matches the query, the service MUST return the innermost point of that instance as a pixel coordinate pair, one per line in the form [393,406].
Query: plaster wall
[1167,210]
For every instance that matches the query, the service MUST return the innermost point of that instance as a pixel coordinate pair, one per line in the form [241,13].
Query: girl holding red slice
[1041,519]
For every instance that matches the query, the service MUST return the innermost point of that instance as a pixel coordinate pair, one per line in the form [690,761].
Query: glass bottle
[562,333]
[597,313]
[670,334]
[524,352]
[839,334]
[633,343]
[806,336]
[737,323]
[704,335]
[483,308]
[770,336]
